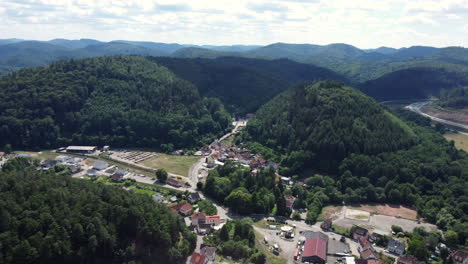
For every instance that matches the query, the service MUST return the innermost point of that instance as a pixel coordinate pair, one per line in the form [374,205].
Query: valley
[237,148]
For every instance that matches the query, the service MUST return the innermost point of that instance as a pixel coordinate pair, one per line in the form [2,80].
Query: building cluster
[368,254]
[222,153]
[72,163]
[196,221]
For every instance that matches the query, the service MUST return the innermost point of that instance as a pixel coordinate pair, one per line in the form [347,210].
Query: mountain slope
[414,83]
[244,84]
[321,124]
[121,101]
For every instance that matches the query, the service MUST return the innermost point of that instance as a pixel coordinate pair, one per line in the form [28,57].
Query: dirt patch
[357,214]
[332,212]
[390,210]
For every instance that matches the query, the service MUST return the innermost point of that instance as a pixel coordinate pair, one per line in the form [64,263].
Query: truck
[296,254]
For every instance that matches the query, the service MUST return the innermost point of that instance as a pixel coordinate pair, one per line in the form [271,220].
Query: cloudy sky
[363,23]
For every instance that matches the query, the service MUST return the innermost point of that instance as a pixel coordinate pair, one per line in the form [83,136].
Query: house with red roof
[203,224]
[182,208]
[315,248]
[197,258]
[289,201]
[174,182]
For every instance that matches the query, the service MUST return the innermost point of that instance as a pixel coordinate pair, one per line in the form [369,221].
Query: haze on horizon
[362,23]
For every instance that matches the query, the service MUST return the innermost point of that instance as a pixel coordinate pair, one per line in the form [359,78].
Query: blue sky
[363,23]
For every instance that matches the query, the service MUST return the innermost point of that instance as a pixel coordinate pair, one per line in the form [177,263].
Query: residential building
[182,208]
[396,247]
[100,165]
[326,225]
[81,149]
[117,177]
[315,247]
[208,252]
[193,197]
[409,260]
[377,234]
[174,182]
[158,197]
[460,256]
[289,201]
[368,254]
[92,173]
[48,164]
[360,232]
[197,258]
[74,168]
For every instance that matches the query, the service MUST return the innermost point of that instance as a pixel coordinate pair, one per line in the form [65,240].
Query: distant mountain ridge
[362,67]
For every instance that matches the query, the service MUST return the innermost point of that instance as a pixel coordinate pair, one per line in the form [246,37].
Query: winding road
[416,107]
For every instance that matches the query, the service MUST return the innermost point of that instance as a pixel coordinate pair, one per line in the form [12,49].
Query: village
[293,241]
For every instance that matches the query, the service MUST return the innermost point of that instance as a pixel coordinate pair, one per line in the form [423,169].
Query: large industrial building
[81,149]
[315,248]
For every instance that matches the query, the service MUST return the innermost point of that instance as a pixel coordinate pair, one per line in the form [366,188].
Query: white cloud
[364,23]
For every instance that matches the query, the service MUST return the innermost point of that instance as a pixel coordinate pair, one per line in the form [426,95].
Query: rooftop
[315,247]
[84,148]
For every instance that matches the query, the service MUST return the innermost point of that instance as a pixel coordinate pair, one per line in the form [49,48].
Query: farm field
[461,140]
[179,165]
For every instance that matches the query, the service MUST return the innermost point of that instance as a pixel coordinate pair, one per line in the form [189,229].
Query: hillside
[244,84]
[414,83]
[49,217]
[317,126]
[120,101]
[362,152]
[455,98]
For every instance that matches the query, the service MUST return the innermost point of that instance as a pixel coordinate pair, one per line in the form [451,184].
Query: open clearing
[332,212]
[179,165]
[357,214]
[455,115]
[461,140]
[390,210]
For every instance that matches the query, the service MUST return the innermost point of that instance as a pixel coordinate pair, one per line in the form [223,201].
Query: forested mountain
[243,84]
[363,152]
[414,83]
[49,217]
[195,52]
[319,125]
[455,98]
[121,101]
[74,44]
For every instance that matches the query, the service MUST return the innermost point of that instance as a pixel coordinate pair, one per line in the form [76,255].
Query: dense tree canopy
[119,101]
[242,191]
[48,217]
[321,124]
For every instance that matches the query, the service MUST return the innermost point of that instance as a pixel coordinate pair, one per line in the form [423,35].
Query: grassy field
[461,140]
[172,163]
[40,155]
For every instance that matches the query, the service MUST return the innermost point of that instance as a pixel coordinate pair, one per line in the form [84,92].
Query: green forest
[245,192]
[49,217]
[410,164]
[454,98]
[118,101]
[237,239]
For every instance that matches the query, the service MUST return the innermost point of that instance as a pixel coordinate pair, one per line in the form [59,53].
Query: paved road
[416,107]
